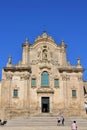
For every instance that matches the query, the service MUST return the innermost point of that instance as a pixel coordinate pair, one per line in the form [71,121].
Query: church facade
[44,81]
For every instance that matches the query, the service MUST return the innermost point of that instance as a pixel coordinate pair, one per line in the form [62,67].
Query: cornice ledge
[71,69]
[17,68]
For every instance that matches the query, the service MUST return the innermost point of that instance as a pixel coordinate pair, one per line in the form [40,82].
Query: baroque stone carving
[65,77]
[44,54]
[80,78]
[34,62]
[39,54]
[54,62]
[45,90]
[25,76]
[9,76]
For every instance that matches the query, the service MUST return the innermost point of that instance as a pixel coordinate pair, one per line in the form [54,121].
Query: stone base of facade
[9,113]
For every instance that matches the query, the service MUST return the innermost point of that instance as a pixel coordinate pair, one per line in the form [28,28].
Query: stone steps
[44,121]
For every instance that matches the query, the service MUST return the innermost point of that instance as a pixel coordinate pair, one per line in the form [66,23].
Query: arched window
[45,79]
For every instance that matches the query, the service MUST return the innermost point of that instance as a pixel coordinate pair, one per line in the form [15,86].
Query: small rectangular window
[73,93]
[15,93]
[56,82]
[33,82]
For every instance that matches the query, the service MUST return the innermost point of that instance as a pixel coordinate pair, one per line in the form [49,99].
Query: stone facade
[85,90]
[43,81]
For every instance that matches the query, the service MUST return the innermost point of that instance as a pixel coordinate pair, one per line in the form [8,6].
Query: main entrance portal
[45,104]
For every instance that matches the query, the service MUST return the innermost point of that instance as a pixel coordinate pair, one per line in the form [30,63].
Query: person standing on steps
[62,119]
[74,126]
[58,120]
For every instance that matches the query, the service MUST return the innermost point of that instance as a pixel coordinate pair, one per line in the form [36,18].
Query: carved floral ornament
[9,76]
[22,76]
[65,77]
[25,76]
[52,61]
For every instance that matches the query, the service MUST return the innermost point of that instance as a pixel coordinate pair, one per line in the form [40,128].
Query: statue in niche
[44,54]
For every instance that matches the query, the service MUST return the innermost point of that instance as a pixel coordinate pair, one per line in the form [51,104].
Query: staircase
[44,121]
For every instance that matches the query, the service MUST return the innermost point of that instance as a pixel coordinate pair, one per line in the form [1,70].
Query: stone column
[65,79]
[26,79]
[6,94]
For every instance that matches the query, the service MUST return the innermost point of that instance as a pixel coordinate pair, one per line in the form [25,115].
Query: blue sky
[62,19]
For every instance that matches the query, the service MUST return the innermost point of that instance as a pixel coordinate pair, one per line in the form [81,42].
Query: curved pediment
[44,36]
[43,40]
